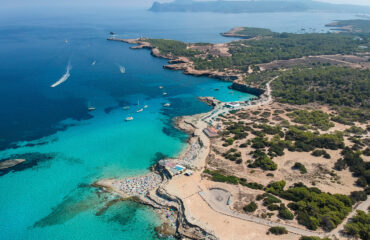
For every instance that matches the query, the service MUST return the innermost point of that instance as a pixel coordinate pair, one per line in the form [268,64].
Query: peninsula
[293,162]
[352,26]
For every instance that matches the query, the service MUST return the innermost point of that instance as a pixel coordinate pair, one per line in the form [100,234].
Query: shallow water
[71,147]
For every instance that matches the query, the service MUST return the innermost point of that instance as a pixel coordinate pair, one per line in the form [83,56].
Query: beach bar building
[171,168]
[211,132]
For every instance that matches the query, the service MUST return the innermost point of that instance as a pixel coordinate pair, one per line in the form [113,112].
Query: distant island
[353,26]
[254,6]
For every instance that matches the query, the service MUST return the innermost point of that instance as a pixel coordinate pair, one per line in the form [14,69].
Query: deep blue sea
[66,146]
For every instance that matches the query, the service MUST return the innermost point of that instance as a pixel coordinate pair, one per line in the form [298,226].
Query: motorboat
[129,119]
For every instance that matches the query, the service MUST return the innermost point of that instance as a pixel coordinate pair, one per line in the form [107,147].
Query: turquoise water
[68,147]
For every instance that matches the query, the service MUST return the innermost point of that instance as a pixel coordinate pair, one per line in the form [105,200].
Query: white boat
[129,119]
[93,63]
[160,87]
[140,110]
[91,108]
[126,107]
[167,104]
[164,94]
[146,106]
[64,78]
[122,69]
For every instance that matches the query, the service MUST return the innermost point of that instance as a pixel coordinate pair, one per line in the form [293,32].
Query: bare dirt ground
[320,172]
[353,61]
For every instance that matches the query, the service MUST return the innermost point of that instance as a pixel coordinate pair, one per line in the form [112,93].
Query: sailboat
[167,104]
[146,106]
[93,63]
[141,109]
[164,94]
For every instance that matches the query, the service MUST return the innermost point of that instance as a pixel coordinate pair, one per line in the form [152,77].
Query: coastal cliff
[242,87]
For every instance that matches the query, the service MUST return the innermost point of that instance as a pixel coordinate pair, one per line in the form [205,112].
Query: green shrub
[232,155]
[172,47]
[357,166]
[313,238]
[307,141]
[299,166]
[308,207]
[273,207]
[348,116]
[356,130]
[278,230]
[315,118]
[228,142]
[357,196]
[251,207]
[366,152]
[269,199]
[340,164]
[359,226]
[319,152]
[218,177]
[284,212]
[276,187]
[262,161]
[252,185]
[333,85]
[259,142]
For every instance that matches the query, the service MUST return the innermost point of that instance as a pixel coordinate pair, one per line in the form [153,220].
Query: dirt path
[354,65]
[225,210]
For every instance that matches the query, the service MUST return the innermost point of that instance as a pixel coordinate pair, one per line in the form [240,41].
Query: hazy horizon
[127,3]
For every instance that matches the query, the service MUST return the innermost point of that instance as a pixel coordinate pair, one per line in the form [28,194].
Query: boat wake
[64,77]
[122,69]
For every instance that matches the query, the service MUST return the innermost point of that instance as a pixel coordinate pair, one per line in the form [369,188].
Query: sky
[123,3]
[359,2]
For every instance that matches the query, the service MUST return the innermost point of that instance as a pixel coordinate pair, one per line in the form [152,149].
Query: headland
[256,169]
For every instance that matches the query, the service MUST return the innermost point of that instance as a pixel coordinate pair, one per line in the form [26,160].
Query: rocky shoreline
[10,163]
[186,65]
